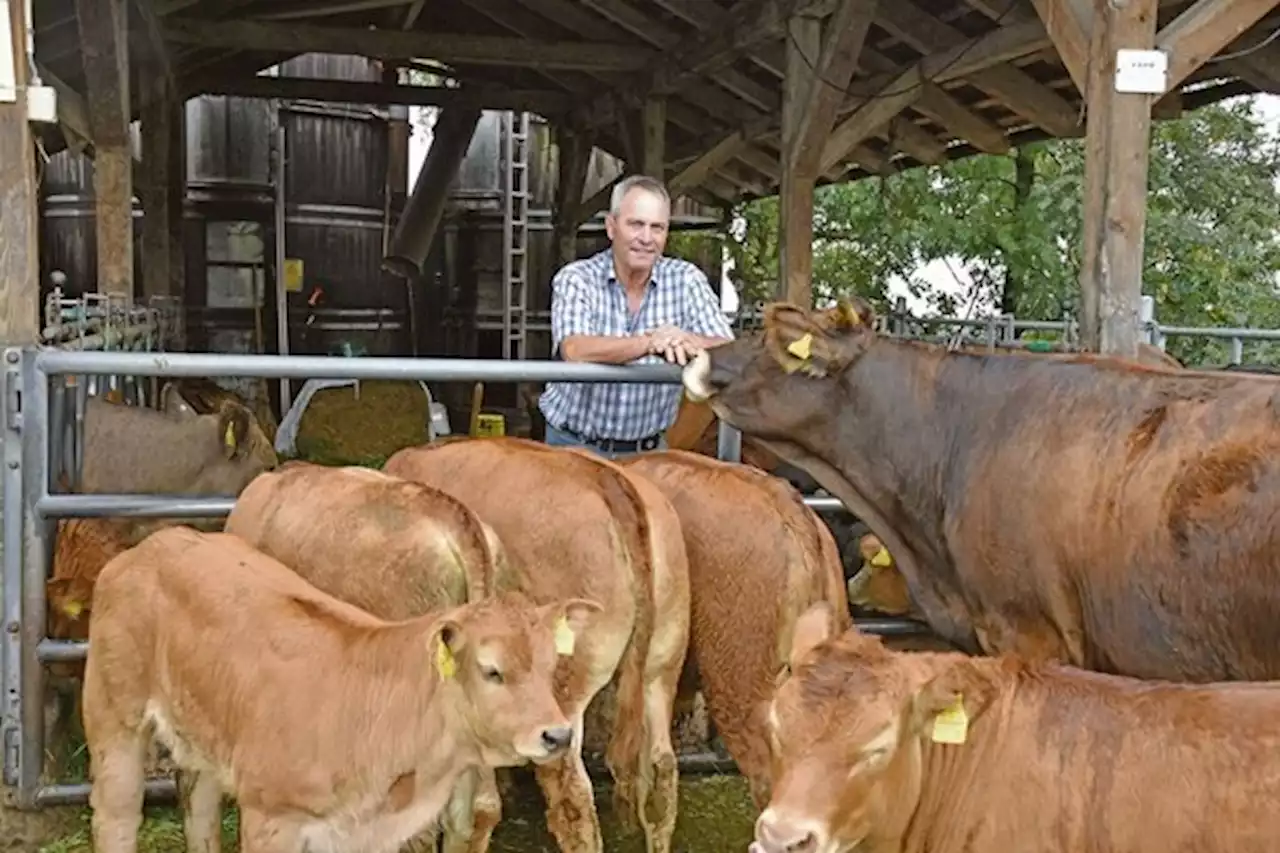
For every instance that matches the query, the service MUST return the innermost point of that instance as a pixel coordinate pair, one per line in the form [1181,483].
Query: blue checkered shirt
[586,299]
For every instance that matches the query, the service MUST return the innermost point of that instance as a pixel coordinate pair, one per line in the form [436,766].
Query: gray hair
[644,182]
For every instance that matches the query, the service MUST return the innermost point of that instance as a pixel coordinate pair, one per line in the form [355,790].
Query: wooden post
[574,160]
[1117,144]
[164,165]
[19,205]
[104,40]
[655,135]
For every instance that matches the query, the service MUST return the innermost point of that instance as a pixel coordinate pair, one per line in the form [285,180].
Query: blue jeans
[560,438]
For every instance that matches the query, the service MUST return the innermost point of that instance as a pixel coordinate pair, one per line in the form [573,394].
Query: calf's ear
[568,619]
[817,343]
[817,624]
[233,429]
[944,705]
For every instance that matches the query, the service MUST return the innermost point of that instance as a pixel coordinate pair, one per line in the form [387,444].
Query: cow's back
[757,558]
[394,548]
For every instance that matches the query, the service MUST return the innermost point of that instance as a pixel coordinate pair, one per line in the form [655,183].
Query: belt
[618,445]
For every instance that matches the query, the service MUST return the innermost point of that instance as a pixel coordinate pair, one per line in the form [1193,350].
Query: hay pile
[364,424]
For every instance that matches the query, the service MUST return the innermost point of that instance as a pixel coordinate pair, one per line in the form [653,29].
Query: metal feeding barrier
[31,508]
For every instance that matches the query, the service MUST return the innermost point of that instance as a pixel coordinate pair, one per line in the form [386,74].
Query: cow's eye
[491,673]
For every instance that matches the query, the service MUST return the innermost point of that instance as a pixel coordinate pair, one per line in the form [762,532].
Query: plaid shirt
[587,299]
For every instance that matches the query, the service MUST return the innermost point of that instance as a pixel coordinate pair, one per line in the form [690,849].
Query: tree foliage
[1013,223]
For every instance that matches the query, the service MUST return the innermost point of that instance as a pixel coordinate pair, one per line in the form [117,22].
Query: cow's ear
[817,624]
[171,402]
[233,429]
[945,706]
[817,343]
[568,619]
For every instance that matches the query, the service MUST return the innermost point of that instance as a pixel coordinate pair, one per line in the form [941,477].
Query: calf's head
[847,729]
[497,661]
[775,382]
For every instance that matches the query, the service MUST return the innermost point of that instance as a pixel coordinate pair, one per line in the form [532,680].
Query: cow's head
[847,729]
[879,585]
[776,381]
[497,659]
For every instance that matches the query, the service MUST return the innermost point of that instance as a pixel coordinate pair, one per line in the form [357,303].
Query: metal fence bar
[10,641]
[35,542]
[133,506]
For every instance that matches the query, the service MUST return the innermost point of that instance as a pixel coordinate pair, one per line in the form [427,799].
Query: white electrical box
[1142,72]
[42,104]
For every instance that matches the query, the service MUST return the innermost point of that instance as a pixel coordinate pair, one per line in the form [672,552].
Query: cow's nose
[557,739]
[779,836]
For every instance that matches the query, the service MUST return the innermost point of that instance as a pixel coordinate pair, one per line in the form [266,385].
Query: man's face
[639,231]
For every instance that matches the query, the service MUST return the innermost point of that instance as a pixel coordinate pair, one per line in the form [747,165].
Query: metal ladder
[515,234]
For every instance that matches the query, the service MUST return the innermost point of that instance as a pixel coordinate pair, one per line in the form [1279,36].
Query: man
[627,305]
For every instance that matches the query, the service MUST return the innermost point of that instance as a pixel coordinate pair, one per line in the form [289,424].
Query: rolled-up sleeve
[570,308]
[703,315]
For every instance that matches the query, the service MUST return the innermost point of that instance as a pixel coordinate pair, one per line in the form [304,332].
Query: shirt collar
[654,275]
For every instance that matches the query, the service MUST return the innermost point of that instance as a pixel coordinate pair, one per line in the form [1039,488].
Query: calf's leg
[474,809]
[117,762]
[263,833]
[201,800]
[659,775]
[571,808]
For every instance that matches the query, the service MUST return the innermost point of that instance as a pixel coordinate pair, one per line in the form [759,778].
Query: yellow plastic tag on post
[802,348]
[564,637]
[444,661]
[882,558]
[952,724]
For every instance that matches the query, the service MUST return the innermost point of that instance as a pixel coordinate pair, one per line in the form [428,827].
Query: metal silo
[338,215]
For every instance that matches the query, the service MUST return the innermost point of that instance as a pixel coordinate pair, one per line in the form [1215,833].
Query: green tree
[1014,222]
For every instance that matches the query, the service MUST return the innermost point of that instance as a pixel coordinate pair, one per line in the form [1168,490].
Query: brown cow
[757,558]
[879,585]
[888,751]
[416,549]
[333,729]
[1110,515]
[576,524]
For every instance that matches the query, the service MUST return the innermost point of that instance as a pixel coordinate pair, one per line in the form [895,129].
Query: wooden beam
[73,113]
[827,79]
[543,102]
[19,205]
[908,137]
[893,98]
[1207,26]
[454,48]
[700,169]
[573,161]
[1117,145]
[163,192]
[654,127]
[799,174]
[1069,23]
[936,103]
[104,38]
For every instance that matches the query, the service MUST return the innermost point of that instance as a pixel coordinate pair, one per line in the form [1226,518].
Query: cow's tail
[627,742]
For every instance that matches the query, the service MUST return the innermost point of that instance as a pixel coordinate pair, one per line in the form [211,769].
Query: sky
[947,278]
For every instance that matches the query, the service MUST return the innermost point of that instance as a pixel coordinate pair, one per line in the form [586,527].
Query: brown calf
[575,524]
[879,585]
[886,751]
[757,558]
[333,729]
[391,547]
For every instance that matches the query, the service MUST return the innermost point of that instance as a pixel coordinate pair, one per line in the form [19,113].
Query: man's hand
[673,344]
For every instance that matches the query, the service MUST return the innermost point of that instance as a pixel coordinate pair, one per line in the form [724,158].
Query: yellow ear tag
[802,348]
[444,661]
[952,724]
[882,558]
[229,437]
[73,609]
[564,637]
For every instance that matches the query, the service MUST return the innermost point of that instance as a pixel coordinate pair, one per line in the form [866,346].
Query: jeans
[560,438]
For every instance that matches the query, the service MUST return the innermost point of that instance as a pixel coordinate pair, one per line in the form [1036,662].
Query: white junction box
[1142,72]
[42,104]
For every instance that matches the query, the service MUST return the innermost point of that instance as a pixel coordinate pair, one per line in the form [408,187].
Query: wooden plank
[1069,23]
[391,44]
[543,102]
[104,38]
[892,99]
[162,192]
[19,206]
[1022,94]
[842,37]
[573,162]
[910,138]
[964,123]
[1117,144]
[1192,38]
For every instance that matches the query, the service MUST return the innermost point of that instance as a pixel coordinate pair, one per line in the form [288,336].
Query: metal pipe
[132,506]
[888,627]
[35,442]
[155,791]
[282,297]
[729,443]
[59,651]
[336,367]
[11,588]
[822,503]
